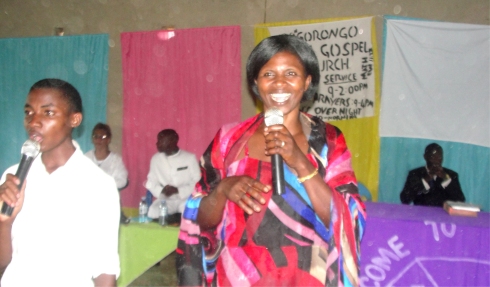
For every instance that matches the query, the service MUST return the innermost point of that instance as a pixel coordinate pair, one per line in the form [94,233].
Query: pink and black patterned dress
[286,244]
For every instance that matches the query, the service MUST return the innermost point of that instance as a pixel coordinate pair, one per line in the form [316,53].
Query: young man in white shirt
[63,230]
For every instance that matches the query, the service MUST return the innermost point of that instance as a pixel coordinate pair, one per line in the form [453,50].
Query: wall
[31,18]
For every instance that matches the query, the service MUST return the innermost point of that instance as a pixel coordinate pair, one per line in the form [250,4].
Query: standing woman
[235,230]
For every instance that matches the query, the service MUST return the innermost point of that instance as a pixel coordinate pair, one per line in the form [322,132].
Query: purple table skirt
[424,246]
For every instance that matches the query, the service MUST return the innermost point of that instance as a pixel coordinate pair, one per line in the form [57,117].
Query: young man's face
[48,118]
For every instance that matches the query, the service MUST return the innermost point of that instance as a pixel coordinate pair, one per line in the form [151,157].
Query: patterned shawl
[198,251]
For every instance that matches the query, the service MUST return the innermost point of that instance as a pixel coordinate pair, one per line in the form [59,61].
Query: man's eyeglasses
[101,137]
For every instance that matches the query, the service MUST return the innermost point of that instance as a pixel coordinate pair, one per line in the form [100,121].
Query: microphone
[30,149]
[274,116]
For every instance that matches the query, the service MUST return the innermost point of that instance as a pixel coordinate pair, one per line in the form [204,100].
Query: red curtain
[188,80]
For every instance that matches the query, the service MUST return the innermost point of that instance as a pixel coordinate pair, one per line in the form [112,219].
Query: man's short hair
[169,133]
[68,91]
[432,148]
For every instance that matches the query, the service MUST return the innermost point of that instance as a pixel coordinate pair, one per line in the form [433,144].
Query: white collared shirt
[180,170]
[444,183]
[113,165]
[67,231]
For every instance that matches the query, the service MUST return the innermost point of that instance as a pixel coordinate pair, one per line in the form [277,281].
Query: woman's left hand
[278,140]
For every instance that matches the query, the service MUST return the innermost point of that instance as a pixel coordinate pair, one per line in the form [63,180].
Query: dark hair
[68,91]
[268,47]
[432,148]
[169,133]
[104,127]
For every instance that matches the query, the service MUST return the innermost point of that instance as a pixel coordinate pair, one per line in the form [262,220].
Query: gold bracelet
[305,178]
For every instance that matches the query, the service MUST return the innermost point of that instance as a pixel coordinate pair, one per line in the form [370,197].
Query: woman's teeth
[280,98]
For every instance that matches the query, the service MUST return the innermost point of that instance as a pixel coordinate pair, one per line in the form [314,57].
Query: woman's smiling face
[282,81]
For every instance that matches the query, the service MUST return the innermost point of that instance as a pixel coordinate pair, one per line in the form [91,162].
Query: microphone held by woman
[274,116]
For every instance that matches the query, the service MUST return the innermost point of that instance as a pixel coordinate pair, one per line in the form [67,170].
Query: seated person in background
[173,174]
[50,239]
[432,185]
[108,161]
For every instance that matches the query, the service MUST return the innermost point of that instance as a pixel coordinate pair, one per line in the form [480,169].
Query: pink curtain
[188,80]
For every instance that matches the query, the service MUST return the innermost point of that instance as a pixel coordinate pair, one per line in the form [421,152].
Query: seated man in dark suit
[432,184]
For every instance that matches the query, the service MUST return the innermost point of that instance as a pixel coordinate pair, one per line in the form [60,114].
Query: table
[141,246]
[406,245]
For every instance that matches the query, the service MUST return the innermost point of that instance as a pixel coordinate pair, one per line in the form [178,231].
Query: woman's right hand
[245,191]
[10,194]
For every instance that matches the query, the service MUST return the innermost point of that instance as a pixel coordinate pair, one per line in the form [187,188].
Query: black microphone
[274,116]
[30,149]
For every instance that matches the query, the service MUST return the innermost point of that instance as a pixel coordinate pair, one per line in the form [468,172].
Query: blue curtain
[79,60]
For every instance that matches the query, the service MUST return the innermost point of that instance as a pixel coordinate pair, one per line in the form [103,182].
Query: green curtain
[79,60]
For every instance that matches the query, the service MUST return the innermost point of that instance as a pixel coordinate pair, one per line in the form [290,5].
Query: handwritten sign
[345,55]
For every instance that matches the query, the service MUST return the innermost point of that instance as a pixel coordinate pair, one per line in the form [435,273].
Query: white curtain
[436,88]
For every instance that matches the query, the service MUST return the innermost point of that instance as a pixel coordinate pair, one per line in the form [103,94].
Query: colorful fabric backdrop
[188,80]
[436,88]
[80,60]
[346,49]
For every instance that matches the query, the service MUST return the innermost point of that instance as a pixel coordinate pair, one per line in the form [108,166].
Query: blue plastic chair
[364,192]
[148,198]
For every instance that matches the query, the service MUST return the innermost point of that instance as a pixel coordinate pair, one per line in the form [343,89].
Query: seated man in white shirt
[173,174]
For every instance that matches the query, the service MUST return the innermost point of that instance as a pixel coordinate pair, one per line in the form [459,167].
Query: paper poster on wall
[345,55]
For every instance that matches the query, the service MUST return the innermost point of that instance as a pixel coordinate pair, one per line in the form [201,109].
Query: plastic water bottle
[162,218]
[143,210]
